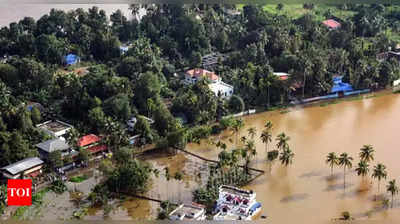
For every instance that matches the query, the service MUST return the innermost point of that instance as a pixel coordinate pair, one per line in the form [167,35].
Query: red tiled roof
[331,23]
[88,139]
[97,148]
[198,72]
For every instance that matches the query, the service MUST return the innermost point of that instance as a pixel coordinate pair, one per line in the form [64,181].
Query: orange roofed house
[93,144]
[216,84]
[194,75]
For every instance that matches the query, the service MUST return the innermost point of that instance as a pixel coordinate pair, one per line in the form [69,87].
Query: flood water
[10,11]
[305,190]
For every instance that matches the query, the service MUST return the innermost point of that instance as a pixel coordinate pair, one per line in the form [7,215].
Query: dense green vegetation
[170,39]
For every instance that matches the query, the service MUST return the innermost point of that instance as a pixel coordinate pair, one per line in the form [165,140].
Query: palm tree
[269,125]
[282,139]
[179,177]
[266,135]
[236,128]
[367,153]
[251,151]
[362,168]
[332,160]
[286,157]
[167,177]
[252,132]
[135,8]
[392,188]
[346,161]
[379,173]
[272,156]
[243,139]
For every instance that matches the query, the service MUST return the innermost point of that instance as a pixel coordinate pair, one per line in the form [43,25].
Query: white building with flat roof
[55,128]
[184,212]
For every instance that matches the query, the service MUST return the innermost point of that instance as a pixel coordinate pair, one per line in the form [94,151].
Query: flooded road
[306,190]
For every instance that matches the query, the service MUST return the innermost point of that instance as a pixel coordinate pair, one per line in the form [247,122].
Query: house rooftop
[54,126]
[88,139]
[331,23]
[53,145]
[22,165]
[282,75]
[201,73]
[188,212]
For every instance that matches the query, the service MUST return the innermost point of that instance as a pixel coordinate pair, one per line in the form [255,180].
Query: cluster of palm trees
[283,151]
[366,157]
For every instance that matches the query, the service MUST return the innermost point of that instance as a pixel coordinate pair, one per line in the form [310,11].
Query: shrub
[58,186]
[199,132]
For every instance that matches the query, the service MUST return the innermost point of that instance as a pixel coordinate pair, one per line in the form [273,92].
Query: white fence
[246,112]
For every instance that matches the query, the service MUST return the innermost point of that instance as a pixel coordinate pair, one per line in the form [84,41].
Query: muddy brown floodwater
[303,192]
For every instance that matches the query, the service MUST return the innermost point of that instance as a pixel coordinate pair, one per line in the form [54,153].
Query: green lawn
[295,11]
[79,179]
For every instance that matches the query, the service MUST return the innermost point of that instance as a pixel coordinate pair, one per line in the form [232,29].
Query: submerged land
[127,117]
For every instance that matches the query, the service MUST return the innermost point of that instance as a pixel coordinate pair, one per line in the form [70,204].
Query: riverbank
[322,103]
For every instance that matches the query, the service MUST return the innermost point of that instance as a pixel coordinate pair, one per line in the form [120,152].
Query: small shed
[339,86]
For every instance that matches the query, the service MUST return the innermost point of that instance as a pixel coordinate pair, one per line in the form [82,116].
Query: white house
[216,84]
[55,128]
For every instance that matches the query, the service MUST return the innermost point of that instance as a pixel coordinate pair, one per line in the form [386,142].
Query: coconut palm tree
[269,126]
[179,177]
[243,139]
[392,188]
[379,173]
[362,168]
[367,153]
[272,156]
[266,137]
[251,151]
[251,132]
[333,160]
[346,161]
[282,139]
[167,177]
[237,126]
[286,156]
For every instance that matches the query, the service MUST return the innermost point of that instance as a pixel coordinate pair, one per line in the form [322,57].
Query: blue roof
[71,59]
[255,206]
[339,86]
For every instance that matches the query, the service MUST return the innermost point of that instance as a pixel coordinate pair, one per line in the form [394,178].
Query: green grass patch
[20,212]
[359,97]
[78,179]
[324,104]
[284,111]
[370,96]
[295,11]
